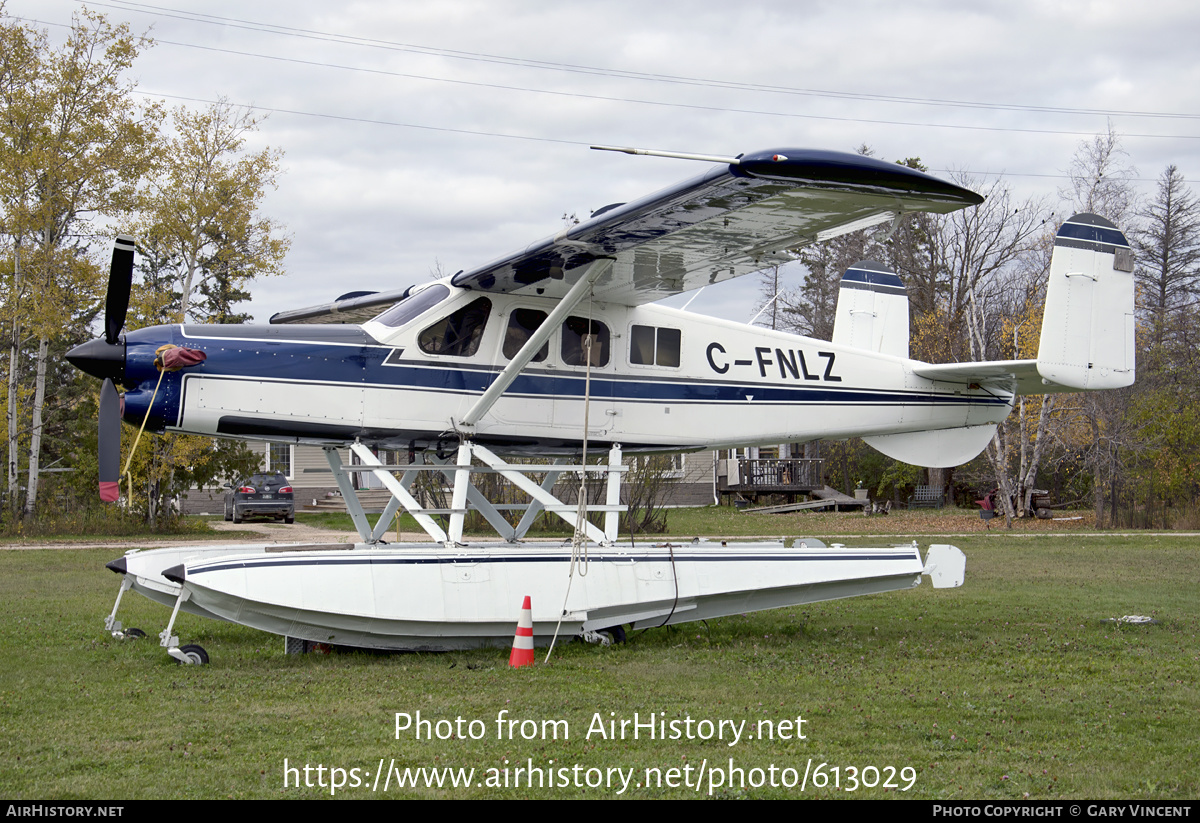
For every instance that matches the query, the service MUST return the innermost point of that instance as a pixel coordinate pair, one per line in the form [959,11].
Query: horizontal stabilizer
[1088,324]
[1020,376]
[872,310]
[1087,340]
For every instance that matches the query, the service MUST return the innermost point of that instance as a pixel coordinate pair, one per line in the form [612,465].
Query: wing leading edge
[731,221]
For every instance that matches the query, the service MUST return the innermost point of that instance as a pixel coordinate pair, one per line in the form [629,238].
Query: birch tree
[74,148]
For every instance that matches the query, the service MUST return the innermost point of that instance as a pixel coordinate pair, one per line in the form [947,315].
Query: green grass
[1011,685]
[90,524]
[726,521]
[682,523]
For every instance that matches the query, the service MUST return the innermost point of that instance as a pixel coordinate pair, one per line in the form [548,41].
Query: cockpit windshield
[413,306]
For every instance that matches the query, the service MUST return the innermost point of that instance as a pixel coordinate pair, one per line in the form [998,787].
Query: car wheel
[228,514]
[237,515]
[291,518]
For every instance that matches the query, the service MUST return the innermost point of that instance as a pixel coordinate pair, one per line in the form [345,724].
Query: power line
[579,95]
[542,139]
[369,121]
[607,98]
[534,138]
[291,31]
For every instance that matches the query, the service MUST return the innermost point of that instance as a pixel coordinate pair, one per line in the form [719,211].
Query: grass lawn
[726,521]
[1011,686]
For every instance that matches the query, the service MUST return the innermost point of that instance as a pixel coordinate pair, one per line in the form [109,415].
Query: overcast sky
[427,134]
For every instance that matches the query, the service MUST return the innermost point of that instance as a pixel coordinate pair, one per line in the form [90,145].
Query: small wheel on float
[195,654]
[617,633]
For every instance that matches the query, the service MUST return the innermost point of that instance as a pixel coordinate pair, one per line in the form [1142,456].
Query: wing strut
[594,271]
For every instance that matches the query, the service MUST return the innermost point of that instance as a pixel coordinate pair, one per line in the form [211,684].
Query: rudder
[872,310]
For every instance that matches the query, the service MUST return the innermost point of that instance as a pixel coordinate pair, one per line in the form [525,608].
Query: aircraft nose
[99,358]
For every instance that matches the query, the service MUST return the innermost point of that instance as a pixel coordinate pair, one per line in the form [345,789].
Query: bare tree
[769,291]
[1168,245]
[1102,178]
[1102,182]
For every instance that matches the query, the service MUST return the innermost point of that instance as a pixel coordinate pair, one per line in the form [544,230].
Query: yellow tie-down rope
[162,369]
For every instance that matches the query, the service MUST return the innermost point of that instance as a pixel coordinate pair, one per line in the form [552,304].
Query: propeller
[109,442]
[105,358]
[120,281]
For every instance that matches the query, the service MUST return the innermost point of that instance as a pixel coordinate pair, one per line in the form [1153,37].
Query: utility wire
[311,34]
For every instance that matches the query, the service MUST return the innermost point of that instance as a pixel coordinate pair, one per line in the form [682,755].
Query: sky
[424,137]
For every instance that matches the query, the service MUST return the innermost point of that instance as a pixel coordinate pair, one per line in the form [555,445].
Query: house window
[280,457]
[668,465]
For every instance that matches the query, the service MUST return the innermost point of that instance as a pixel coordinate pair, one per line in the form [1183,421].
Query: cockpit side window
[413,306]
[522,323]
[457,334]
[578,333]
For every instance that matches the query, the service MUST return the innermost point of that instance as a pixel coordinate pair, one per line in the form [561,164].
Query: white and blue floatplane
[558,349]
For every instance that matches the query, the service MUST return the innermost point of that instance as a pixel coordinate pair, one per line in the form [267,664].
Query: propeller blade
[120,280]
[110,442]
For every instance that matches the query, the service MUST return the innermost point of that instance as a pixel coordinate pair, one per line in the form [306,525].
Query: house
[693,476]
[699,478]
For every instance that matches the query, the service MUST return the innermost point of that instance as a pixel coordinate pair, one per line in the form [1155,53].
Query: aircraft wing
[1019,376]
[733,220]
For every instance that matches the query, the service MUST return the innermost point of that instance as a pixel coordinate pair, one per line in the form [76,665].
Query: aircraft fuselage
[660,380]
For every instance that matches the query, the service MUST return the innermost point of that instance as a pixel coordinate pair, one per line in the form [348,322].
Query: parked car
[260,495]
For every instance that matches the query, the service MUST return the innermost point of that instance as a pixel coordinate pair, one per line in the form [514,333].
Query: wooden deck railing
[778,474]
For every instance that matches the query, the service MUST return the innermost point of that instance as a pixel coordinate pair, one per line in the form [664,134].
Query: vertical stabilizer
[872,310]
[1088,325]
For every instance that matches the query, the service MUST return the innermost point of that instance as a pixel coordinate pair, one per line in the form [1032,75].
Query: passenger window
[522,323]
[650,346]
[458,334]
[578,334]
[641,346]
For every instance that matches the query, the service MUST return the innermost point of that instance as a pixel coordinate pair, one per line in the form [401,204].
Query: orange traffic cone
[522,650]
